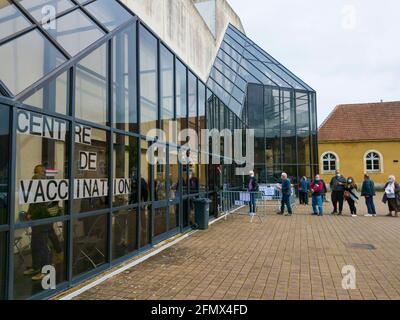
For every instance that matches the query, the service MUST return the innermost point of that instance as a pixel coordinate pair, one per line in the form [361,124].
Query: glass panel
[188,213]
[3,264]
[148,81]
[145,174]
[29,58]
[145,215]
[109,13]
[34,248]
[167,91]
[124,80]
[174,173]
[202,110]
[193,108]
[41,168]
[11,20]
[126,170]
[91,87]
[160,221]
[89,244]
[4,158]
[53,96]
[173,217]
[161,183]
[124,233]
[75,32]
[181,96]
[91,169]
[38,8]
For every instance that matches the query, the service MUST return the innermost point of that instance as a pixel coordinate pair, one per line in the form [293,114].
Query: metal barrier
[237,202]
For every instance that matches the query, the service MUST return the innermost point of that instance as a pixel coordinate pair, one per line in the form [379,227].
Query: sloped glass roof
[32,46]
[240,61]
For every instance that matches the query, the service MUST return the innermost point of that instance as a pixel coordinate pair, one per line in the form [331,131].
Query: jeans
[286,201]
[252,203]
[369,201]
[337,197]
[317,205]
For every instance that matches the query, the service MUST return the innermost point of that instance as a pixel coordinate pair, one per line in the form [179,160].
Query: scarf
[390,189]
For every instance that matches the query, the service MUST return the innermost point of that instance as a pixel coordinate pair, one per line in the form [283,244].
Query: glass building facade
[278,105]
[79,104]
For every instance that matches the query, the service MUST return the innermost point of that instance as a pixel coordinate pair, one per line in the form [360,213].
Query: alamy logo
[49,17]
[49,280]
[156,154]
[349,278]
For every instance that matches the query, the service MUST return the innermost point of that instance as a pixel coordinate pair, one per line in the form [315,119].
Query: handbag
[347,195]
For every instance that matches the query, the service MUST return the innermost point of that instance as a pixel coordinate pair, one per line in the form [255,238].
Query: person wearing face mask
[317,188]
[337,185]
[368,191]
[286,189]
[392,196]
[252,187]
[351,196]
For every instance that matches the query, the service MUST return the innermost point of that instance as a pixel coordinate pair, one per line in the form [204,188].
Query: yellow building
[359,139]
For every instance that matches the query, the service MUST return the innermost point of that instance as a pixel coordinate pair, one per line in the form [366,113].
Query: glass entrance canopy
[272,100]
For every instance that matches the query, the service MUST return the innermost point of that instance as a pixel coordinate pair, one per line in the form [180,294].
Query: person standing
[351,196]
[316,188]
[304,187]
[368,191]
[392,196]
[286,189]
[252,187]
[337,185]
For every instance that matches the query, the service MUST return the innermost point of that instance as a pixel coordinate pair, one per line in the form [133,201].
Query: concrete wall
[180,25]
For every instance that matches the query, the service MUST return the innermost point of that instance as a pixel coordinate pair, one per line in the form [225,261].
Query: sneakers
[354,215]
[368,215]
[38,277]
[31,272]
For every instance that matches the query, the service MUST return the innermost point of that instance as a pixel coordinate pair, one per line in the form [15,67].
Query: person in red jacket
[317,188]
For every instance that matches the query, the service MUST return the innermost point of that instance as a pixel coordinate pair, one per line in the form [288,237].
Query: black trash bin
[202,212]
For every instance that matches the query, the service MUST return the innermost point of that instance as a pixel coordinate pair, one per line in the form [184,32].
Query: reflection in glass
[11,20]
[91,87]
[174,191]
[3,261]
[109,13]
[181,96]
[148,81]
[4,158]
[124,80]
[126,170]
[124,233]
[145,173]
[167,90]
[75,32]
[29,58]
[90,243]
[41,168]
[52,97]
[145,215]
[91,171]
[34,248]
[160,221]
[35,7]
[173,217]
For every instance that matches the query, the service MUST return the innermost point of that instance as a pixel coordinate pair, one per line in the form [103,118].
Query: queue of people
[342,190]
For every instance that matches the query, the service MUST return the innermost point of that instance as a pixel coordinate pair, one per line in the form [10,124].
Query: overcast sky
[347,50]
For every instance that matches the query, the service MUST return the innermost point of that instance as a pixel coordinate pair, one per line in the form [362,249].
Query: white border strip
[131,265]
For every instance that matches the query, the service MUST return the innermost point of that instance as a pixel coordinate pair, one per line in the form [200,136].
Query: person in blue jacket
[304,188]
[286,189]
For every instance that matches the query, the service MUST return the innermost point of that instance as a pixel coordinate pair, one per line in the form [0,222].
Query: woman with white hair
[392,196]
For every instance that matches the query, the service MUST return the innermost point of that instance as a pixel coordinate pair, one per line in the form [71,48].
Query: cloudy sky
[347,50]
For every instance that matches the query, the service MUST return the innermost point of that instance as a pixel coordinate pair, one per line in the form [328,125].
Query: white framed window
[373,161]
[329,162]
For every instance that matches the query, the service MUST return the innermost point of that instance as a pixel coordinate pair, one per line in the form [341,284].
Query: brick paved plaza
[299,257]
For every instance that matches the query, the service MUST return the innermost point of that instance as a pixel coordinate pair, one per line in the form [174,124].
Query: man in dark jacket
[368,191]
[286,189]
[337,184]
[252,187]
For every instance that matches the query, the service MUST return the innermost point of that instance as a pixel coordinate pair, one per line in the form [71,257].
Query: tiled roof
[368,121]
